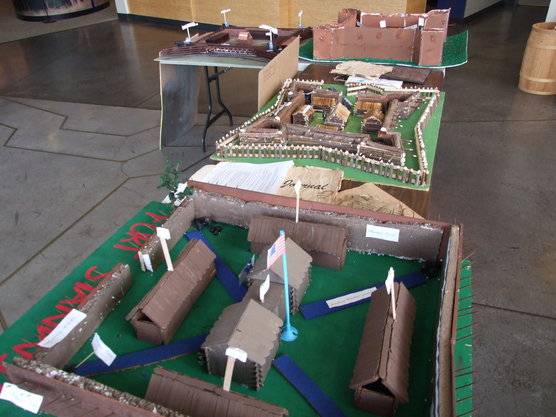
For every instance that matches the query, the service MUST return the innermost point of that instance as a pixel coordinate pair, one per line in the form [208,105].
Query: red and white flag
[276,250]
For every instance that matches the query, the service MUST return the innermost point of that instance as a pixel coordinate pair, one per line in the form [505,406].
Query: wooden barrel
[538,68]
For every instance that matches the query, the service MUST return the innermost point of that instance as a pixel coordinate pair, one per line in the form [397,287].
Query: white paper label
[382,24]
[236,353]
[263,289]
[421,21]
[350,298]
[383,233]
[103,352]
[68,323]
[163,233]
[23,399]
[147,262]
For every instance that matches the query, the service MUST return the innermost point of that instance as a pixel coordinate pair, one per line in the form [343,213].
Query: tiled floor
[79,119]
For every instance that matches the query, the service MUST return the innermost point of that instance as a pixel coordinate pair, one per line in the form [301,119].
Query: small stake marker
[232,353]
[300,24]
[297,189]
[186,27]
[223,12]
[164,235]
[390,290]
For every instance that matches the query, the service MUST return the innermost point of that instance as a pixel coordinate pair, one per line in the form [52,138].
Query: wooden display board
[282,13]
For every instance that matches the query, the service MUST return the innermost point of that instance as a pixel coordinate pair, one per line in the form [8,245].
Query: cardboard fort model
[237,40]
[381,373]
[326,244]
[247,326]
[272,133]
[299,273]
[98,304]
[67,394]
[417,38]
[159,314]
[194,397]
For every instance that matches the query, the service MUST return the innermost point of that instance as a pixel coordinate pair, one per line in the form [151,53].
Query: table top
[230,61]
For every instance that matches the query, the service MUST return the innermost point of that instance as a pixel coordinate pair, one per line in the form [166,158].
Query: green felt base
[454,54]
[325,349]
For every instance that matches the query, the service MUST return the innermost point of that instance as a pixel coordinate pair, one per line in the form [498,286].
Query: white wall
[474,6]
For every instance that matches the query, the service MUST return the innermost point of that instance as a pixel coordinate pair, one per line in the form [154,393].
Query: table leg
[214,77]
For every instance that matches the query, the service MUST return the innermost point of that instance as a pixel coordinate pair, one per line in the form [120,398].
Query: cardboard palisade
[431,241]
[98,304]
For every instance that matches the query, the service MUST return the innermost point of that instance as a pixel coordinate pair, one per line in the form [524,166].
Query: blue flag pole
[289,333]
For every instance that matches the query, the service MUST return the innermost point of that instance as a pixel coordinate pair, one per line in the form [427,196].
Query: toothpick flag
[276,250]
[297,189]
[103,352]
[389,283]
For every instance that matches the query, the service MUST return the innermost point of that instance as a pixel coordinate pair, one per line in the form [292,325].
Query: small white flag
[23,399]
[103,352]
[263,289]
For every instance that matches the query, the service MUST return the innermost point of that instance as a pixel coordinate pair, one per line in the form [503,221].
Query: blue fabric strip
[224,274]
[321,402]
[144,357]
[320,308]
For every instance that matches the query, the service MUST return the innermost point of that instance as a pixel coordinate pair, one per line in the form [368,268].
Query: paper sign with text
[68,323]
[23,399]
[384,233]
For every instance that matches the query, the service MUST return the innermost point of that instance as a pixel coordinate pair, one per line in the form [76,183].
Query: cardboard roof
[310,236]
[298,262]
[174,287]
[196,397]
[384,350]
[247,326]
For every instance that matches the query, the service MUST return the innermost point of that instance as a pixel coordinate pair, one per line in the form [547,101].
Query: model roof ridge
[244,330]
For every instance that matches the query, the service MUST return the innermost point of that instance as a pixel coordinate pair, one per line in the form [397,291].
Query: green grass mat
[454,54]
[325,349]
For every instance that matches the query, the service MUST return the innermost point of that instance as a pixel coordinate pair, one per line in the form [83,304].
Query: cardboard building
[247,326]
[381,373]
[299,274]
[159,314]
[325,243]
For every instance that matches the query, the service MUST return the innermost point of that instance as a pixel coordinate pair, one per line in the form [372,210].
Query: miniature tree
[170,181]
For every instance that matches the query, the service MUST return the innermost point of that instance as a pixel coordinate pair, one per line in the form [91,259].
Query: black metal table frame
[210,119]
